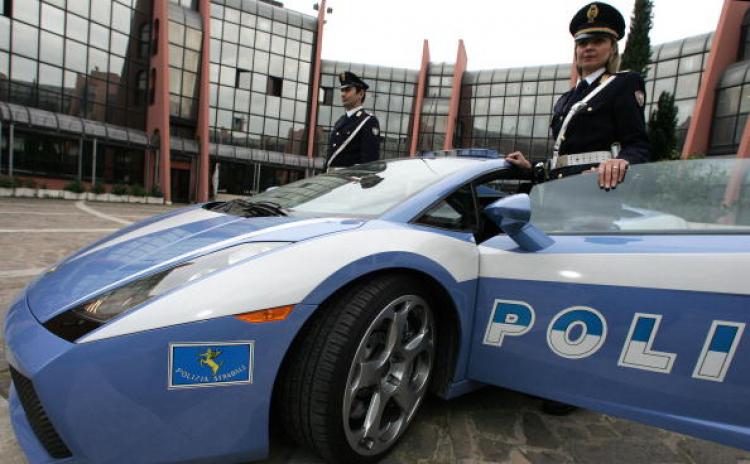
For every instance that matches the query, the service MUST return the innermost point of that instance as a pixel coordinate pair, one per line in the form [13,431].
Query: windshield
[692,196]
[365,190]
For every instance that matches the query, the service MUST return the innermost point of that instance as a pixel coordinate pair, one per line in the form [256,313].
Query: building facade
[176,95]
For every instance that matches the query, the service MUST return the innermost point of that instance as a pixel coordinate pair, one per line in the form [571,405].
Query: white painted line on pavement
[22,272]
[52,231]
[82,206]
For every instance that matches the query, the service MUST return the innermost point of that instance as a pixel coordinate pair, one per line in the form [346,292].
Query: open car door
[633,302]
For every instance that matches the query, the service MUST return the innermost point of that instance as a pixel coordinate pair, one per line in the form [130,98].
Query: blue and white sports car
[336,302]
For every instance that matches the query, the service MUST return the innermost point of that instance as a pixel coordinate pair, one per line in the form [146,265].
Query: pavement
[489,426]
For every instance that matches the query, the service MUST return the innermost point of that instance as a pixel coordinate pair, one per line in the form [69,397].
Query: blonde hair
[613,63]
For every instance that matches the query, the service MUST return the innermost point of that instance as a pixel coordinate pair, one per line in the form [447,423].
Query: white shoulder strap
[346,142]
[573,110]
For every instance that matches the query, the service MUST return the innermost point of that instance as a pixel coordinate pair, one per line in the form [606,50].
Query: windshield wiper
[251,208]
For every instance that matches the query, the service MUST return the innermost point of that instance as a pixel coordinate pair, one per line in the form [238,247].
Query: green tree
[662,128]
[637,54]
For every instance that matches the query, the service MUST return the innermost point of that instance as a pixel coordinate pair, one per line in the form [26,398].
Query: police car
[336,303]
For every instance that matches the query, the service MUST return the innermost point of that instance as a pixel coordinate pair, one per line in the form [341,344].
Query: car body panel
[658,373]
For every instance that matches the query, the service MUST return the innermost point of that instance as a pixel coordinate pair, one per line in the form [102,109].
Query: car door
[639,306]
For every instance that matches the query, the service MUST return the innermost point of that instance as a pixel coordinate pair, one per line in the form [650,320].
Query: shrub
[156,192]
[76,187]
[137,190]
[120,189]
[43,186]
[98,188]
[7,182]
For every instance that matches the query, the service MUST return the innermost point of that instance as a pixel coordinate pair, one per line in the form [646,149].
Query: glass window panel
[288,89]
[175,83]
[541,126]
[77,28]
[213,95]
[276,66]
[292,48]
[524,126]
[544,104]
[481,106]
[53,19]
[513,88]
[494,124]
[304,73]
[496,105]
[4,64]
[189,81]
[509,125]
[98,60]
[192,60]
[305,52]
[80,7]
[745,101]
[529,88]
[176,33]
[739,129]
[247,36]
[511,105]
[216,27]
[546,87]
[226,97]
[213,72]
[264,24]
[245,58]
[272,106]
[232,14]
[215,52]
[188,108]
[287,109]
[4,33]
[50,76]
[260,82]
[231,32]
[257,103]
[271,127]
[684,111]
[256,124]
[117,66]
[224,119]
[175,55]
[690,64]
[121,18]
[561,86]
[278,44]
[527,105]
[25,39]
[663,85]
[666,68]
[727,101]
[307,36]
[22,69]
[723,131]
[99,36]
[228,75]
[302,92]
[228,54]
[193,38]
[119,43]
[241,100]
[100,11]
[244,80]
[260,63]
[290,69]
[26,10]
[300,111]
[262,41]
[51,48]
[687,86]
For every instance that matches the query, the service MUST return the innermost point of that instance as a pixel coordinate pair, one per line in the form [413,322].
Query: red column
[313,125]
[421,86]
[157,116]
[458,74]
[203,100]
[723,52]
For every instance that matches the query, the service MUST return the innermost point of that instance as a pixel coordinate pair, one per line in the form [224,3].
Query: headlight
[82,319]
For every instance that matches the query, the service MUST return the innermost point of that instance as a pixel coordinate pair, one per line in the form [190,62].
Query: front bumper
[109,400]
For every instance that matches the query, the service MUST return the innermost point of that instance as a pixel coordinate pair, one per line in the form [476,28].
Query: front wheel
[361,370]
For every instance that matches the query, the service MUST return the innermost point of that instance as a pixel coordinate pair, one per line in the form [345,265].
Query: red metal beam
[421,86]
[157,116]
[458,73]
[202,131]
[313,125]
[723,52]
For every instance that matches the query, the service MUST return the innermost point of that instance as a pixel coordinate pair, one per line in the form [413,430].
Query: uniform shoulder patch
[640,98]
[375,131]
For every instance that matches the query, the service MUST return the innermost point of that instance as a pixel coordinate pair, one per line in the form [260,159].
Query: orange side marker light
[266,315]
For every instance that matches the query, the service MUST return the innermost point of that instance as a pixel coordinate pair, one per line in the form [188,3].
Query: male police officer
[600,123]
[355,137]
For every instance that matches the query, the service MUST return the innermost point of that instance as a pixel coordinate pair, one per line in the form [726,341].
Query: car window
[364,190]
[675,197]
[455,212]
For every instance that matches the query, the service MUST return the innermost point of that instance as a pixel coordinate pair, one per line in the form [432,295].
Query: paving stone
[547,457]
[536,432]
[622,451]
[700,451]
[493,450]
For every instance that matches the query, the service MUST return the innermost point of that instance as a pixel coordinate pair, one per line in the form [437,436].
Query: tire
[359,371]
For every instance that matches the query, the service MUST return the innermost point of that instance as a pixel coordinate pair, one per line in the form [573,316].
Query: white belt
[577,159]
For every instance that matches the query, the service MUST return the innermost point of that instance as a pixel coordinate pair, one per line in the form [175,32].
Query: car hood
[161,242]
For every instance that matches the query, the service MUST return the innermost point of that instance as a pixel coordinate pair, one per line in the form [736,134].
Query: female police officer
[599,124]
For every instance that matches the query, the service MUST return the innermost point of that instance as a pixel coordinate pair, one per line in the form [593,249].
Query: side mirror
[512,215]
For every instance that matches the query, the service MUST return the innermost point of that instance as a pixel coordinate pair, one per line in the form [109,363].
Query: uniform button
[589,109]
[334,144]
[337,133]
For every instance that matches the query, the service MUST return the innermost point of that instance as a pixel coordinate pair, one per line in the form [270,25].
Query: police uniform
[359,134]
[608,119]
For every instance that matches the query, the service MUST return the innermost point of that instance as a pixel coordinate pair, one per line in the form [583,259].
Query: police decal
[508,318]
[637,352]
[577,332]
[209,364]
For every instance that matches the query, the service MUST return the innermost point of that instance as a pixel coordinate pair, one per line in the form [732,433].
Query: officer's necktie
[580,91]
